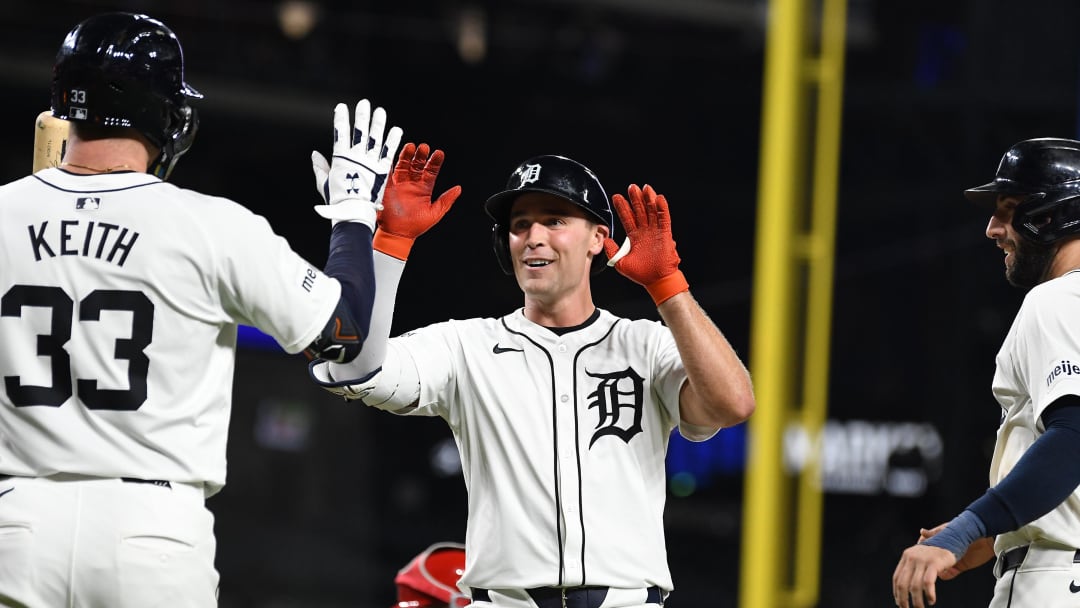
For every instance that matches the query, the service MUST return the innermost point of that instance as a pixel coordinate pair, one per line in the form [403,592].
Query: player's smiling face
[550,242]
[1026,262]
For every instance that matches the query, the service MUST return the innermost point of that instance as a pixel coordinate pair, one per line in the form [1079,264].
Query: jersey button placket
[569,476]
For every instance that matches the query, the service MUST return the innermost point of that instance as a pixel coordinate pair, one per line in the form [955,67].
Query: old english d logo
[529,174]
[618,402]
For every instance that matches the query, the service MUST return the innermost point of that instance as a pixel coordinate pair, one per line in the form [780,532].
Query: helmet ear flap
[1048,219]
[178,139]
[500,242]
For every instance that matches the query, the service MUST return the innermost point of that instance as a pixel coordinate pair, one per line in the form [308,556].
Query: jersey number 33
[50,346]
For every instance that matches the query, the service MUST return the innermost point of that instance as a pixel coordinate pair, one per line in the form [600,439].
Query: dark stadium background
[325,501]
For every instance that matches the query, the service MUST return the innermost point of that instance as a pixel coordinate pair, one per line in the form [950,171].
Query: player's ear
[600,233]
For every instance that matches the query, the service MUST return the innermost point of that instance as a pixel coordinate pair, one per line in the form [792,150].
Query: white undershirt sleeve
[397,387]
[387,277]
[382,376]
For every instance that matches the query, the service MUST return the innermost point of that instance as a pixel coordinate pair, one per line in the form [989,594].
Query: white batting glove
[352,185]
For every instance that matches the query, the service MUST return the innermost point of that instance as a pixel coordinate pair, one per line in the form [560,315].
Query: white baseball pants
[73,541]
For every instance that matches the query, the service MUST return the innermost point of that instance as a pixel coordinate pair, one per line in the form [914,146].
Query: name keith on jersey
[98,240]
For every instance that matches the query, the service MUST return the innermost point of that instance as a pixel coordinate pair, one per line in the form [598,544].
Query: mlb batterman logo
[87,203]
[1065,367]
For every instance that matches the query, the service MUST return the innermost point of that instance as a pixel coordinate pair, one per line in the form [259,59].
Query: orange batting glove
[651,260]
[408,210]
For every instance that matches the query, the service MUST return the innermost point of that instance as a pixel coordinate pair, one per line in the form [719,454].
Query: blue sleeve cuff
[963,530]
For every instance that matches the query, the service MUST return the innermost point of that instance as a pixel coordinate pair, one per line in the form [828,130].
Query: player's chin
[532,286]
[540,289]
[532,274]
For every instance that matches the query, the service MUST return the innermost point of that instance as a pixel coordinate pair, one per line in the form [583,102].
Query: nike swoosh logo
[498,350]
[1074,587]
[10,489]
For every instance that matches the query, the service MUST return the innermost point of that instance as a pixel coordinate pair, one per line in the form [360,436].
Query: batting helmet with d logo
[551,174]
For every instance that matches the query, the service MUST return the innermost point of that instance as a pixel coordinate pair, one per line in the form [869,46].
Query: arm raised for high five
[408,211]
[718,392]
[351,186]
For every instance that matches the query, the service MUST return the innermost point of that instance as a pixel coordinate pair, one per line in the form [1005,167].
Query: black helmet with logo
[127,70]
[551,174]
[1045,173]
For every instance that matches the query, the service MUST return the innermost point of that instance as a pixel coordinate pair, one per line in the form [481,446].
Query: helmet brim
[987,195]
[498,205]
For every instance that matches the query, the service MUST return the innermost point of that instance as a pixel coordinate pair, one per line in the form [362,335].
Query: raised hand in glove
[352,184]
[407,210]
[649,257]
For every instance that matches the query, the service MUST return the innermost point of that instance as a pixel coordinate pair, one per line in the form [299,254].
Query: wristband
[391,244]
[664,288]
[963,530]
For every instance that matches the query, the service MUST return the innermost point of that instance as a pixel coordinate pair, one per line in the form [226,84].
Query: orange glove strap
[665,288]
[392,244]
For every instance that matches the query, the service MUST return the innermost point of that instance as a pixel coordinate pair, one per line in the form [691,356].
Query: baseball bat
[50,140]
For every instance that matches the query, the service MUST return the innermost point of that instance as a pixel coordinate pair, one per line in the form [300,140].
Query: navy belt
[153,482]
[575,597]
[1014,557]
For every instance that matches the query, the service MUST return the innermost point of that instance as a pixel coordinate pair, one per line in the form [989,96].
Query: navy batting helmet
[551,174]
[127,70]
[1045,172]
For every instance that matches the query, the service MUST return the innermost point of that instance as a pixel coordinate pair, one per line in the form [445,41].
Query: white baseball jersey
[1038,363]
[121,296]
[563,441]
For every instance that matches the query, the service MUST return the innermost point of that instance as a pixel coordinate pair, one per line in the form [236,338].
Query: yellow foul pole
[792,302]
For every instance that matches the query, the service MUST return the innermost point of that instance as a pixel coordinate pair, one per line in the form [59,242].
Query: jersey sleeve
[264,283]
[668,372]
[1048,342]
[434,350]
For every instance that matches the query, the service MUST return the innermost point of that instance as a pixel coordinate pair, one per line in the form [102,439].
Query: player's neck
[564,312]
[108,155]
[1066,259]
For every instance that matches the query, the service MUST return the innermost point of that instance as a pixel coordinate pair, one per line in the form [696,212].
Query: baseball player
[430,579]
[562,411]
[120,297]
[1030,516]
